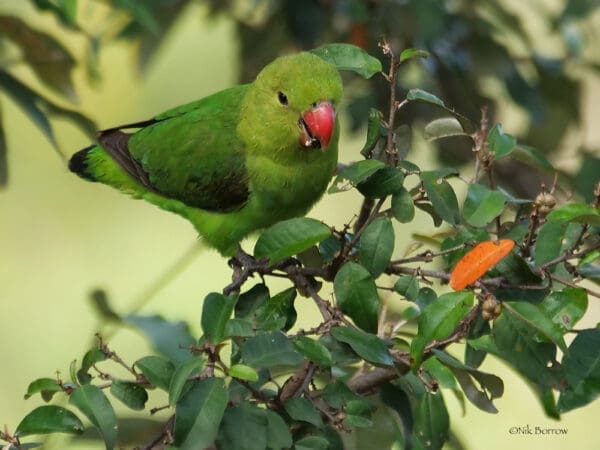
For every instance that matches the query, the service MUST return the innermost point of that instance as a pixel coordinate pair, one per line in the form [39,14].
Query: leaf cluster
[383,345]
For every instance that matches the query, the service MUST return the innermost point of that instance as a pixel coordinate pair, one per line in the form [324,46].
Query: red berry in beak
[316,125]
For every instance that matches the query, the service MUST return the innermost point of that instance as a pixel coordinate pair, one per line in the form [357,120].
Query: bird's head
[291,106]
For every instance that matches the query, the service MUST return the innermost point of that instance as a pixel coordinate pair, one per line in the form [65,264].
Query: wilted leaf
[475,263]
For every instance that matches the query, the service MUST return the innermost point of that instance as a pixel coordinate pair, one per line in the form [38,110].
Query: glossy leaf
[251,300]
[130,394]
[482,205]
[377,245]
[582,370]
[442,128]
[49,419]
[382,183]
[432,423]
[575,212]
[549,241]
[301,409]
[500,143]
[353,174]
[47,387]
[268,350]
[171,339]
[408,286]
[475,263]
[198,414]
[438,320]
[243,372]
[441,195]
[357,413]
[92,402]
[287,238]
[276,313]
[157,370]
[356,295]
[311,443]
[216,311]
[412,53]
[367,346]
[403,208]
[532,156]
[90,358]
[239,328]
[337,394]
[349,57]
[565,308]
[313,350]
[427,97]
[179,380]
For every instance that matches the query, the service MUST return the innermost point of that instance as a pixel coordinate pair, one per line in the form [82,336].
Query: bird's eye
[282,98]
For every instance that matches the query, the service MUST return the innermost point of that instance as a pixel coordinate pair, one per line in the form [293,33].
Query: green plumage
[230,163]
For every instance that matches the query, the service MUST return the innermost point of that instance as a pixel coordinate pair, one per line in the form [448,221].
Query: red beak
[316,125]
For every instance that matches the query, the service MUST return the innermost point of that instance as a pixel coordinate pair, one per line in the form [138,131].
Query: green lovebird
[233,162]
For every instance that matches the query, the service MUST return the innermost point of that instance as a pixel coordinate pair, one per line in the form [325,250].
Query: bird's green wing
[190,153]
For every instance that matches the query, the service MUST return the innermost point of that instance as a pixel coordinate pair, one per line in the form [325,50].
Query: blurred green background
[61,237]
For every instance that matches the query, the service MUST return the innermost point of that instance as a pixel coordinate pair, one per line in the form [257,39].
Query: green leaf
[301,409]
[3,154]
[244,427]
[442,196]
[550,241]
[432,424]
[424,96]
[353,174]
[403,208]
[171,339]
[442,128]
[251,300]
[277,313]
[90,358]
[575,212]
[290,237]
[270,349]
[565,307]
[367,346]
[582,370]
[47,387]
[382,183]
[243,372]
[374,132]
[532,156]
[179,380]
[411,53]
[49,419]
[407,286]
[377,245]
[157,370]
[514,341]
[92,402]
[500,143]
[102,307]
[357,413]
[278,433]
[482,205]
[349,57]
[216,311]
[239,328]
[130,394]
[198,414]
[337,394]
[438,320]
[356,295]
[313,350]
[311,443]
[141,13]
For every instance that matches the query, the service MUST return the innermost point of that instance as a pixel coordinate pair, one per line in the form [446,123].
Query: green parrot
[236,161]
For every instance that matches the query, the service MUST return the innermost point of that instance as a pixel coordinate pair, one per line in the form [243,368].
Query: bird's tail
[78,164]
